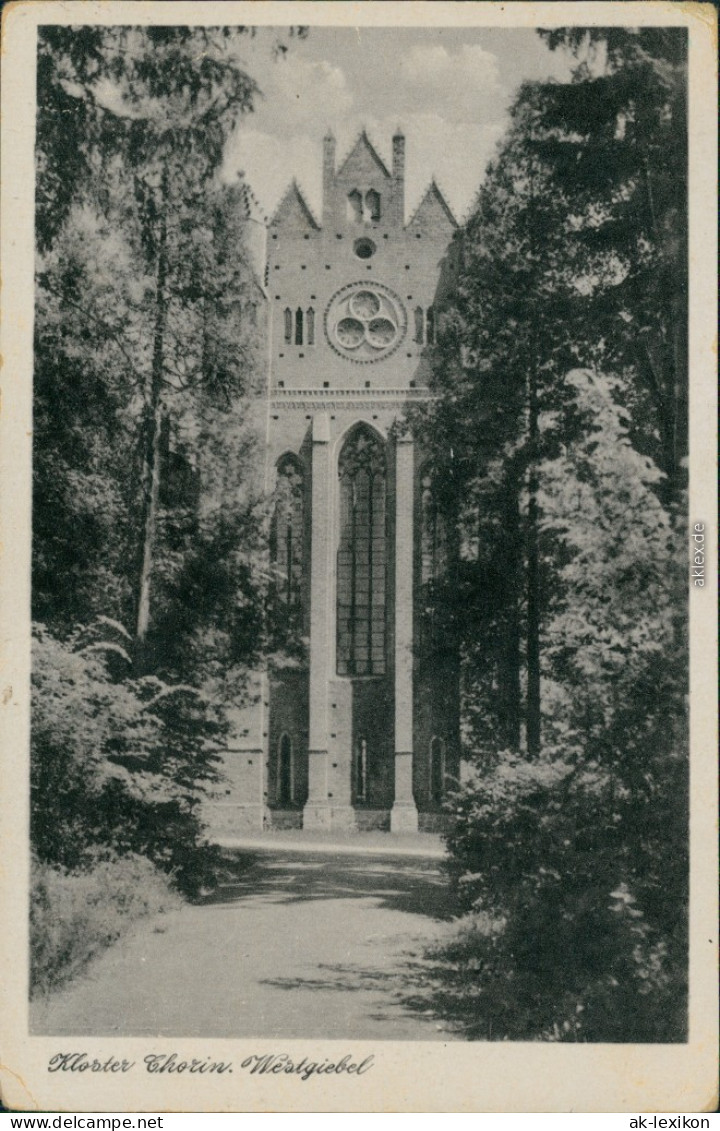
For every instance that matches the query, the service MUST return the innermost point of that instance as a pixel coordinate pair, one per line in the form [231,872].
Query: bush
[117,762]
[576,893]
[74,914]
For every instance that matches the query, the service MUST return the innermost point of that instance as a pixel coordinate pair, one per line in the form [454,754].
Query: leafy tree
[150,111]
[617,138]
[146,513]
[506,342]
[559,425]
[574,257]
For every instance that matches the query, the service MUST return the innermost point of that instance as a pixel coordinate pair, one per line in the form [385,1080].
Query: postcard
[359,653]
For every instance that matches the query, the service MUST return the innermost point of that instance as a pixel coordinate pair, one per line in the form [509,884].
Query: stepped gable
[293,211]
[433,210]
[363,160]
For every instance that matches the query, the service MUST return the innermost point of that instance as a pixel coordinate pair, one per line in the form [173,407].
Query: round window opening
[365,323]
[364,249]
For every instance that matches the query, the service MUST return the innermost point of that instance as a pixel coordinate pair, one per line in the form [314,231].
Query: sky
[448,89]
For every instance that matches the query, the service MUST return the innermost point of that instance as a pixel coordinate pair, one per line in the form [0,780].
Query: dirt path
[304,944]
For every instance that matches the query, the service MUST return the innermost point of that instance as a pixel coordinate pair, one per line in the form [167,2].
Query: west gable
[363,164]
[433,214]
[293,214]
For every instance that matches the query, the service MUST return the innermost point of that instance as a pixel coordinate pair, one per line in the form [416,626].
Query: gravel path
[304,944]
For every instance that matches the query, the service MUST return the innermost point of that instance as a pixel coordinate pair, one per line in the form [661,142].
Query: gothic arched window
[298,327]
[288,325]
[310,324]
[287,542]
[361,562]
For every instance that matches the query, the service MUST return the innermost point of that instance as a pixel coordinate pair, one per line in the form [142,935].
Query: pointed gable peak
[293,211]
[433,208]
[362,150]
[251,205]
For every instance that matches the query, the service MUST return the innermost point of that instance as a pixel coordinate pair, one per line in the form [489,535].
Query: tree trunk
[152,469]
[150,524]
[533,576]
[511,697]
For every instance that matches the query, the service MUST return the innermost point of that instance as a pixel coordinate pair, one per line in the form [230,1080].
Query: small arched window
[288,325]
[298,327]
[419,325]
[437,769]
[372,206]
[285,771]
[310,325]
[361,562]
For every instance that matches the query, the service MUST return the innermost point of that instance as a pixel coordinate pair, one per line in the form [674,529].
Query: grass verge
[76,914]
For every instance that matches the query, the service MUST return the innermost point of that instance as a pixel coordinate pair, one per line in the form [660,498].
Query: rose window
[365,323]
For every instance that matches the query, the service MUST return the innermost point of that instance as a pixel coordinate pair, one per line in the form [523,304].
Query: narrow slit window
[372,206]
[437,769]
[430,326]
[361,769]
[310,326]
[288,325]
[419,325]
[285,783]
[355,206]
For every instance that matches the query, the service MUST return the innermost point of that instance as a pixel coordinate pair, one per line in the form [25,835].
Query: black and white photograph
[362,536]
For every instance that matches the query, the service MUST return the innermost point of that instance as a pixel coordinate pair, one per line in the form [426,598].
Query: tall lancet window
[433,555]
[361,580]
[433,533]
[287,543]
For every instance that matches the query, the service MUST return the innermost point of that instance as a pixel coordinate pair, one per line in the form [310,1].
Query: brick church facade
[356,727]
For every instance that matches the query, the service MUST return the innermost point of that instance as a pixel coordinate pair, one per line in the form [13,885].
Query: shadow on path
[413,886]
[293,945]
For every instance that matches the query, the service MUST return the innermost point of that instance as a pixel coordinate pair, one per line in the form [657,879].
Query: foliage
[148,572]
[617,139]
[573,882]
[118,761]
[559,428]
[539,340]
[75,913]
